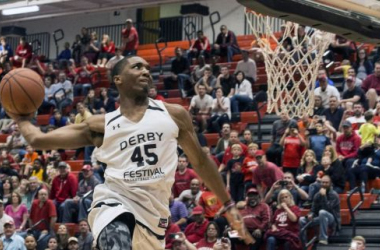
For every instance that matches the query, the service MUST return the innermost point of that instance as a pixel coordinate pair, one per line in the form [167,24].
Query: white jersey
[141,162]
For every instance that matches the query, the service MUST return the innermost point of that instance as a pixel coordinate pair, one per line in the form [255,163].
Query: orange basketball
[22,91]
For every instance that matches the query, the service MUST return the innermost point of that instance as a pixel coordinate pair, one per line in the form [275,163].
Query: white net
[292,58]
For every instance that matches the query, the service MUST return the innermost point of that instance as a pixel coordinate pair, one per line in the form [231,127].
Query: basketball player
[138,142]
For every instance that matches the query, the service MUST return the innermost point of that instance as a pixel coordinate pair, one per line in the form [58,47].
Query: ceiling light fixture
[20,10]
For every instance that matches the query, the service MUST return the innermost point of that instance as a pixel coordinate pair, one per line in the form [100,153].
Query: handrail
[60,35]
[159,50]
[353,210]
[187,33]
[306,245]
[38,223]
[212,22]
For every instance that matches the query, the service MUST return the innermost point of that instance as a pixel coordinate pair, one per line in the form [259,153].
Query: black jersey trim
[160,237]
[155,108]
[116,117]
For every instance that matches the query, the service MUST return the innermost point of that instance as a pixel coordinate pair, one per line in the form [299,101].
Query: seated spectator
[200,46]
[6,68]
[7,156]
[62,236]
[178,212]
[15,182]
[57,120]
[316,140]
[325,211]
[130,39]
[112,61]
[154,95]
[190,197]
[105,103]
[73,244]
[200,106]
[345,65]
[172,230]
[30,242]
[208,80]
[256,215]
[11,239]
[285,228]
[63,187]
[39,170]
[49,100]
[223,141]
[47,71]
[183,176]
[326,91]
[82,82]
[347,145]
[226,81]
[221,112]
[65,54]
[371,86]
[334,113]
[266,174]
[358,243]
[351,73]
[43,208]
[215,68]
[363,66]
[6,171]
[356,118]
[85,40]
[52,243]
[226,44]
[90,100]
[196,230]
[293,147]
[22,190]
[18,212]
[23,53]
[242,95]
[6,190]
[247,66]
[180,71]
[28,160]
[85,238]
[306,172]
[77,206]
[32,193]
[342,46]
[354,94]
[65,96]
[199,69]
[318,105]
[83,113]
[322,75]
[107,51]
[6,51]
[3,217]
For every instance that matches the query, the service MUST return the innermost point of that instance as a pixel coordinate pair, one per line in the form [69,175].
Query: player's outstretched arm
[67,137]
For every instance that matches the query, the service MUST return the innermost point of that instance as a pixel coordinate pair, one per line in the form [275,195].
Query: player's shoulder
[96,123]
[179,115]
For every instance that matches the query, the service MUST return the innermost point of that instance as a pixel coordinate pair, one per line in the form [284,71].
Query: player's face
[135,79]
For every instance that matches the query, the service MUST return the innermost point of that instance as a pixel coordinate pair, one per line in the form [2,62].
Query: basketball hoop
[291,72]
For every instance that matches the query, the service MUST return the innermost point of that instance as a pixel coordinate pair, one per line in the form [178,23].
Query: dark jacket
[330,203]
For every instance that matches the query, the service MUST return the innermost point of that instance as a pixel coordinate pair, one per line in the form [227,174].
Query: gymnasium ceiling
[50,8]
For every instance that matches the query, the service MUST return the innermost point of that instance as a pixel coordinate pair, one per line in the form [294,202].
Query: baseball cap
[62,164]
[72,239]
[252,190]
[128,20]
[9,222]
[346,124]
[87,167]
[260,153]
[197,210]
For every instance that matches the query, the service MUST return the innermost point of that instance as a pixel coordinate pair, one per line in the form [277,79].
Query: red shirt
[24,51]
[228,155]
[371,82]
[293,152]
[249,164]
[256,217]
[204,245]
[199,43]
[134,44]
[195,232]
[62,189]
[281,219]
[348,146]
[110,48]
[182,181]
[45,212]
[83,77]
[210,203]
[172,229]
[159,98]
[267,175]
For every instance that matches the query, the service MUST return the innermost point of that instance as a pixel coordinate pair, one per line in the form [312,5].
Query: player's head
[132,77]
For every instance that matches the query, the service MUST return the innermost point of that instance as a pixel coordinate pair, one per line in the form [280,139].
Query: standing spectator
[63,187]
[92,49]
[183,176]
[18,212]
[43,208]
[334,113]
[274,153]
[362,66]
[11,240]
[78,204]
[306,173]
[226,81]
[180,71]
[23,53]
[234,139]
[171,230]
[285,228]
[3,217]
[235,177]
[82,80]
[342,46]
[196,230]
[77,49]
[85,238]
[242,96]
[266,174]
[226,44]
[200,46]
[130,39]
[249,164]
[154,95]
[317,140]
[15,143]
[85,40]
[325,211]
[200,107]
[223,141]
[107,51]
[6,51]
[221,112]
[65,54]
[371,86]
[294,146]
[248,67]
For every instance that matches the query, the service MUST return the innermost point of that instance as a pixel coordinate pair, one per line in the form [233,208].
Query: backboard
[358,20]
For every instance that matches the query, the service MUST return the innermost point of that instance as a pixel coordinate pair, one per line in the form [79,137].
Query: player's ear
[117,79]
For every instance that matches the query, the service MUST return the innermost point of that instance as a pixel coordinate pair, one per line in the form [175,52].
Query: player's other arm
[205,168]
[67,137]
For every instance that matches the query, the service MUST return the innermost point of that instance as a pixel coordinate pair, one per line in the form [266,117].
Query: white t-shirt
[325,95]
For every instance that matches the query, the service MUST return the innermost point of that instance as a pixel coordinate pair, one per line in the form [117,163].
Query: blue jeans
[238,100]
[359,173]
[70,208]
[272,242]
[231,51]
[82,89]
[182,78]
[324,220]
